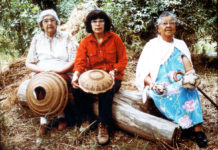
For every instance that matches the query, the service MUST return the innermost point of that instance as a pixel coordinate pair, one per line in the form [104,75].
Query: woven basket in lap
[56,94]
[96,81]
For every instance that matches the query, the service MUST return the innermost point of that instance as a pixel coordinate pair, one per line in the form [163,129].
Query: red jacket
[109,55]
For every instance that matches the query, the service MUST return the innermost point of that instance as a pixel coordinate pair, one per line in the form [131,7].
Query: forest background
[133,20]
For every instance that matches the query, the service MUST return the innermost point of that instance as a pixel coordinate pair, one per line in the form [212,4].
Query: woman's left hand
[113,73]
[191,81]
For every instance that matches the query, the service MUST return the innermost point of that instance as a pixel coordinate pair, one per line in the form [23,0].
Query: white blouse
[52,53]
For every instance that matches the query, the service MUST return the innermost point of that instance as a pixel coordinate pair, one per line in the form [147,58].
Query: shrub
[18,25]
[134,19]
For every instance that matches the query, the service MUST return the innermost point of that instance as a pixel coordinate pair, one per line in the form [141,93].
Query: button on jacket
[109,55]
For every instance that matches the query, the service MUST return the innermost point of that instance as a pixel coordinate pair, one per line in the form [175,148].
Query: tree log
[130,115]
[127,113]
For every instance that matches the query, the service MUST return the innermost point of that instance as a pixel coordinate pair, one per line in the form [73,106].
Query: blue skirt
[178,104]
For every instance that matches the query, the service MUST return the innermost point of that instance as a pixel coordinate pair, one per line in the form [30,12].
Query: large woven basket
[56,94]
[96,81]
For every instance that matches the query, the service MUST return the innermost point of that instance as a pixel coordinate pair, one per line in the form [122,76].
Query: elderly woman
[104,50]
[51,51]
[158,76]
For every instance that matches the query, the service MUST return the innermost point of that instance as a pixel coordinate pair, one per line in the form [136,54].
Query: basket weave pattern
[96,81]
[56,96]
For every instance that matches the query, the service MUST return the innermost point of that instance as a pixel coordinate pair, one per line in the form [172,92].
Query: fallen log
[129,114]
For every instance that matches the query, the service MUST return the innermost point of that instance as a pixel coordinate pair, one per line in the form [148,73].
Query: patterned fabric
[52,53]
[178,104]
[156,52]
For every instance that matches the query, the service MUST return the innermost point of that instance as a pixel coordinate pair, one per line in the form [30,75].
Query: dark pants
[83,104]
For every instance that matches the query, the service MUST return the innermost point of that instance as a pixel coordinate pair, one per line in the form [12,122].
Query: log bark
[130,115]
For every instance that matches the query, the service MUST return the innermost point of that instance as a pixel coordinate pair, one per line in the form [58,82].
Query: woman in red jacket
[104,50]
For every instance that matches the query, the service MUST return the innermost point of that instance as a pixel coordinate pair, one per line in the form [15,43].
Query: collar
[165,42]
[107,36]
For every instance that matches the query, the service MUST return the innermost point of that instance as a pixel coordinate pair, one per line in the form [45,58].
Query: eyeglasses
[168,23]
[100,21]
[48,20]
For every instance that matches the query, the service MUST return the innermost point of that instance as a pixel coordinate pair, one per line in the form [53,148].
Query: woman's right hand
[159,88]
[74,81]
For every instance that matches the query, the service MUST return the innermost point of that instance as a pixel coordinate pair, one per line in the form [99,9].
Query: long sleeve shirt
[109,55]
[52,53]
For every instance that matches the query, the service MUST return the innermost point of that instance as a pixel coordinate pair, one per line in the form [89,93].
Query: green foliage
[134,19]
[65,7]
[18,25]
[46,4]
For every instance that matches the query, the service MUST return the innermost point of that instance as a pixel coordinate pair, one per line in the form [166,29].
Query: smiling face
[167,28]
[49,25]
[98,26]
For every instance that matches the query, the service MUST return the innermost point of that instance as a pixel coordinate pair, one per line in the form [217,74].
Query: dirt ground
[18,126]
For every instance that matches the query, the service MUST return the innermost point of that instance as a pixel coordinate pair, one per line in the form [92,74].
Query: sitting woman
[158,72]
[103,50]
[51,51]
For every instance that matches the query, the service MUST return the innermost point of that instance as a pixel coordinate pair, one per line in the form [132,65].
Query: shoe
[62,124]
[187,133]
[42,130]
[84,126]
[201,139]
[103,136]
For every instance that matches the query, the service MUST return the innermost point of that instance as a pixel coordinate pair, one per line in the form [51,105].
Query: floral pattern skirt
[178,104]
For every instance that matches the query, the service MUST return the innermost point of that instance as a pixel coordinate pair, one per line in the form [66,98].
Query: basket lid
[96,81]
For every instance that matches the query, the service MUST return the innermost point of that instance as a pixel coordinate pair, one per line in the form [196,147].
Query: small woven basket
[96,81]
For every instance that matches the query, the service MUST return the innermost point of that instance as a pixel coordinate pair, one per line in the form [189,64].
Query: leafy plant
[135,20]
[65,7]
[18,25]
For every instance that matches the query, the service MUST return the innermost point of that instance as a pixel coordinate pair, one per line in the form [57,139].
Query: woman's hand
[148,81]
[74,81]
[113,73]
[191,80]
[159,88]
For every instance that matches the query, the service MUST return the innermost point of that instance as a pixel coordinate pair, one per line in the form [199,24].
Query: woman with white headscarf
[158,72]
[51,51]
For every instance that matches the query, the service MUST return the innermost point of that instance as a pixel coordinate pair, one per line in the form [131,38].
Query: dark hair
[98,14]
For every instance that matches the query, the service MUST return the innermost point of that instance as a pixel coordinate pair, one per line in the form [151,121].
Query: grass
[5,60]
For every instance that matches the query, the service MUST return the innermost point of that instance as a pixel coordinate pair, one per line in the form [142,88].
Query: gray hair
[48,12]
[164,14]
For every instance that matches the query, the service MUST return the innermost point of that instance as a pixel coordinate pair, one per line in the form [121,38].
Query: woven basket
[96,81]
[56,94]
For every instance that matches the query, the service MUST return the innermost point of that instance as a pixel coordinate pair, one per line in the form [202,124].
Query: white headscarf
[48,12]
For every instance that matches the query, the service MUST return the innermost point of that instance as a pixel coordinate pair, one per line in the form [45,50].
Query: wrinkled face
[167,27]
[98,25]
[49,25]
